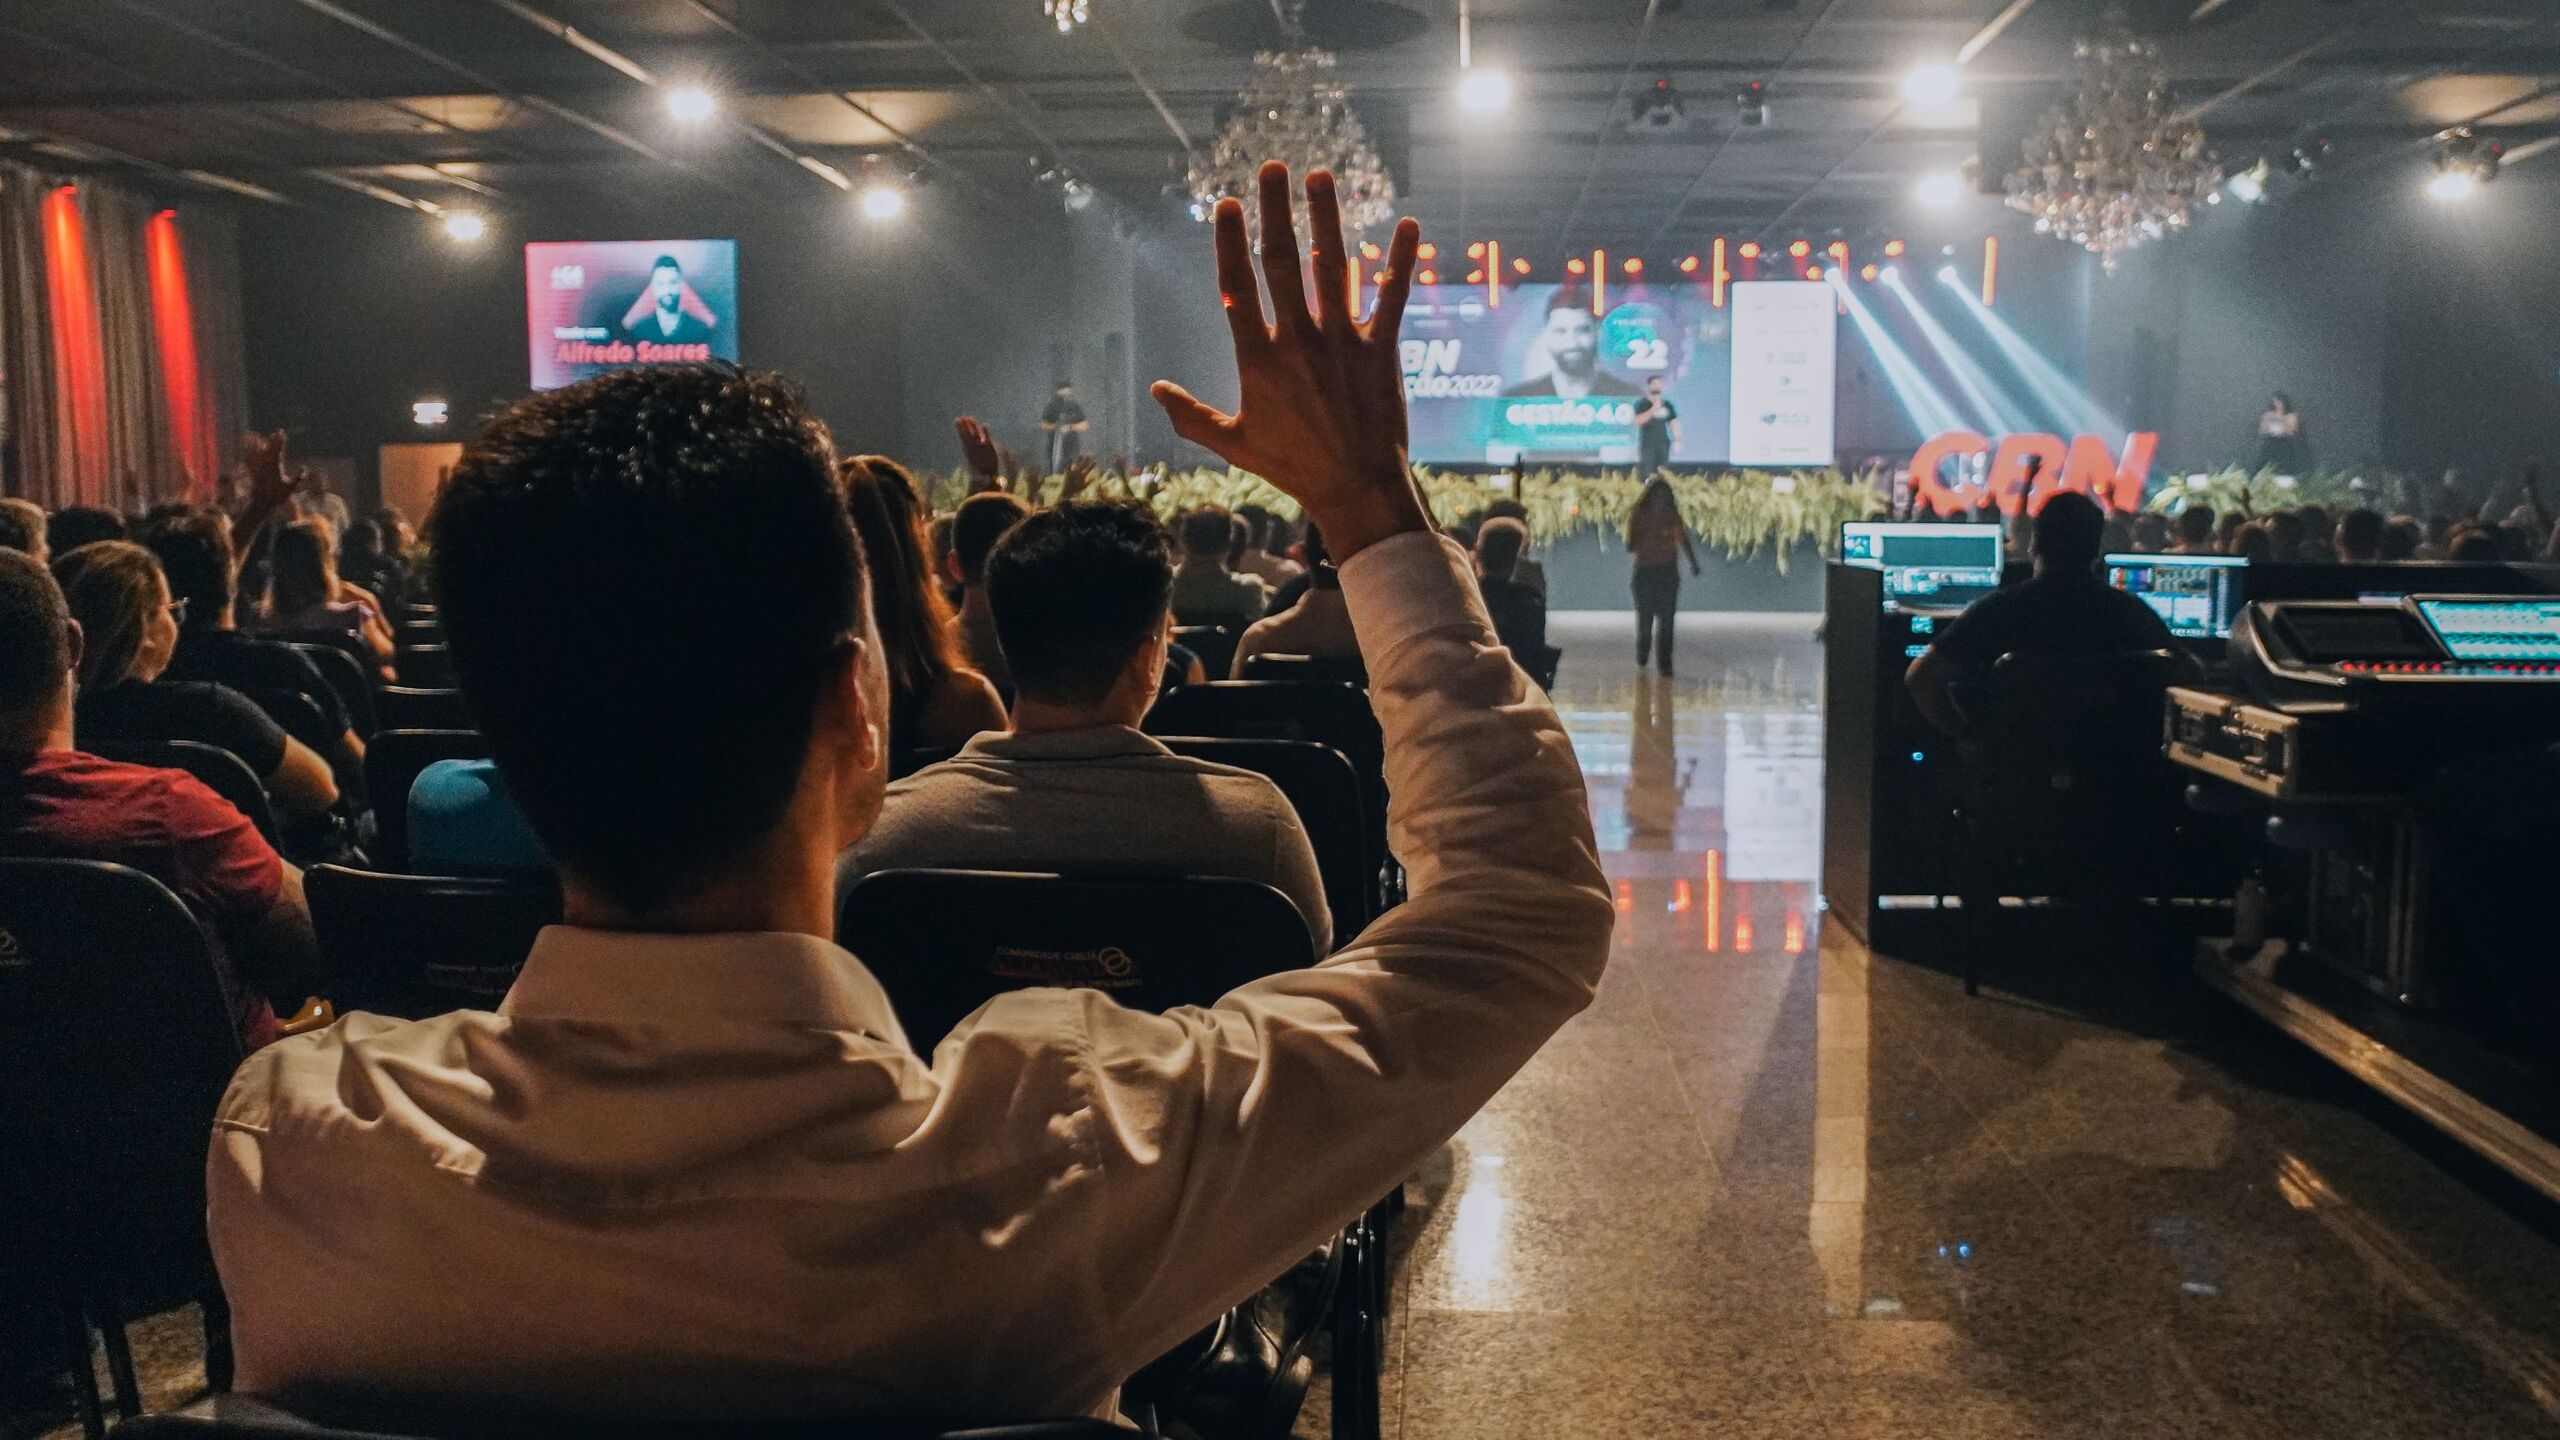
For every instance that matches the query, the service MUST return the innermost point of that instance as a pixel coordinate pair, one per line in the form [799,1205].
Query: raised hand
[978,446]
[1322,410]
[262,457]
[1080,472]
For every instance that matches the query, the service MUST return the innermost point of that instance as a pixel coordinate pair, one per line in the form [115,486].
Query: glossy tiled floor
[1771,1185]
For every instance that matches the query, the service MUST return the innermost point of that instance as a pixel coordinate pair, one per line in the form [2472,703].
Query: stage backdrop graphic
[1543,378]
[1786,338]
[598,305]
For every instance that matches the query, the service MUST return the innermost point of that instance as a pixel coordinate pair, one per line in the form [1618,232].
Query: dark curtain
[121,367]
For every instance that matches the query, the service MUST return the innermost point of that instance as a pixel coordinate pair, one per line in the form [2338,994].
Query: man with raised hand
[692,1168]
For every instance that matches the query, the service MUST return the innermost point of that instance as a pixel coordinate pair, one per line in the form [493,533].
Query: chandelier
[1295,111]
[1068,14]
[2114,164]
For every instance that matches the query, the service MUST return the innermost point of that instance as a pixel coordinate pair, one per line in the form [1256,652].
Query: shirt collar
[1090,742]
[761,977]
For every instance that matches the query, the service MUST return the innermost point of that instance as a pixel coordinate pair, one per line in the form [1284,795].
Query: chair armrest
[315,1014]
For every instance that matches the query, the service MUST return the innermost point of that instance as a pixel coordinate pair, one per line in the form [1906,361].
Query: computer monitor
[2523,629]
[1927,565]
[2197,596]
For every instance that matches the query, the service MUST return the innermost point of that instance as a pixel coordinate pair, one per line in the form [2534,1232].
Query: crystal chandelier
[2114,164]
[1295,111]
[1068,14]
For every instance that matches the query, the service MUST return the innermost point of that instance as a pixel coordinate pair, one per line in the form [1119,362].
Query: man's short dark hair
[1077,590]
[643,578]
[35,632]
[78,525]
[2360,534]
[21,525]
[2070,530]
[1498,545]
[1207,531]
[195,553]
[665,262]
[977,525]
[2195,523]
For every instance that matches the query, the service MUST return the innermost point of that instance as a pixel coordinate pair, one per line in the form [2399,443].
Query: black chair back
[346,677]
[413,631]
[391,766]
[1214,644]
[1309,669]
[421,945]
[944,942]
[2065,756]
[1325,791]
[116,1041]
[428,667]
[222,772]
[411,707]
[255,1417]
[1335,716]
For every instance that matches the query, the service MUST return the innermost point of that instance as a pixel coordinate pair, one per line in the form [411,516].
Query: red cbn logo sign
[2085,465]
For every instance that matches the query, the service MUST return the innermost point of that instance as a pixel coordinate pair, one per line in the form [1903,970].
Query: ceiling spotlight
[883,201]
[1426,277]
[2250,185]
[464,226]
[1939,189]
[1891,275]
[1475,250]
[1067,14]
[1484,89]
[2464,163]
[1868,272]
[1947,275]
[1893,249]
[2453,185]
[1937,83]
[1659,111]
[428,412]
[1800,249]
[691,104]
[1751,105]
[1369,250]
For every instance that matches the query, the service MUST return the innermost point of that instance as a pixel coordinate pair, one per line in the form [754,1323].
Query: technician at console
[2064,609]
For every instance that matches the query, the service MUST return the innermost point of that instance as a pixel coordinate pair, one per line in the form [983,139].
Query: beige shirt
[1208,593]
[704,1175]
[1105,800]
[1319,624]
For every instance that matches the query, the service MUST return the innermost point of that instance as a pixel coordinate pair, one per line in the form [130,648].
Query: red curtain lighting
[79,353]
[173,330]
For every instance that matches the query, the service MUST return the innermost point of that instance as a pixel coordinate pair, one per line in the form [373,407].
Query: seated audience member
[2285,531]
[2319,539]
[2402,539]
[1528,571]
[2064,608]
[197,562]
[2115,537]
[463,822]
[2474,545]
[129,629]
[2359,537]
[58,803]
[2227,529]
[22,527]
[1205,591]
[306,597]
[1519,612]
[2254,542]
[659,610]
[2195,534]
[976,526]
[366,561]
[1319,624]
[78,525]
[1260,557]
[2151,533]
[936,702]
[1080,596]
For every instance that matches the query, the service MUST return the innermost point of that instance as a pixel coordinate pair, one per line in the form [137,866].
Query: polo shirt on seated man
[254,665]
[155,711]
[2060,611]
[1101,800]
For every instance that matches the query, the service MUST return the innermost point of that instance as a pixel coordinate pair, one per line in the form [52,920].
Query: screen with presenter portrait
[598,305]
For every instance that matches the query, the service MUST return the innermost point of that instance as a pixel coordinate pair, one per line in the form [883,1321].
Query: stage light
[1939,189]
[1936,83]
[1891,275]
[1634,266]
[1750,250]
[1485,89]
[691,104]
[1575,266]
[1520,266]
[1369,250]
[883,201]
[1427,251]
[2453,185]
[1475,251]
[427,412]
[1751,105]
[1867,272]
[1800,249]
[1947,275]
[1688,264]
[1475,277]
[1893,249]
[1993,409]
[1814,273]
[2250,185]
[1426,277]
[464,226]
[1929,409]
[2064,402]
[1837,250]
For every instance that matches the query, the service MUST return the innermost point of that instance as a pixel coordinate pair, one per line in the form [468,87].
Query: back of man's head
[77,525]
[1498,546]
[195,553]
[1206,532]
[1077,591]
[21,526]
[2195,525]
[643,579]
[35,636]
[977,525]
[2069,531]
[2360,535]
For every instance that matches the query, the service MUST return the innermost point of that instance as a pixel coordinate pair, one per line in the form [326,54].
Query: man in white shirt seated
[1205,590]
[1318,624]
[692,1168]
[1078,597]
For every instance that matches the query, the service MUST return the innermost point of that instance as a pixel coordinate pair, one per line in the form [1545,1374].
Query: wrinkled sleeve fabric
[1229,1141]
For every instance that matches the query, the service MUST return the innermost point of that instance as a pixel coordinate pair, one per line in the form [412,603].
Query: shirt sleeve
[237,725]
[1230,1140]
[219,863]
[1294,871]
[1978,636]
